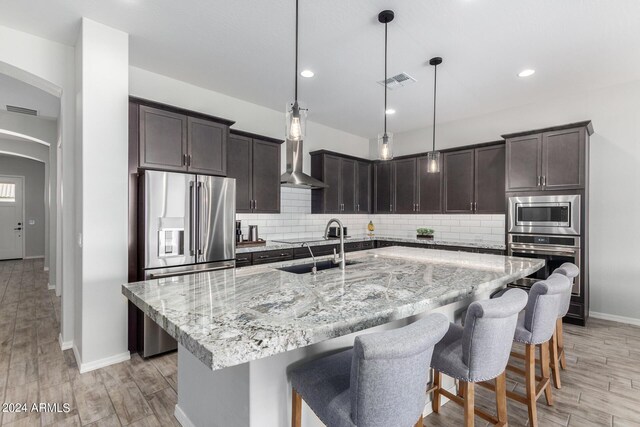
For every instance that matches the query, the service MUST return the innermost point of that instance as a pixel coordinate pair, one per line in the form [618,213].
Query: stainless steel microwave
[545,214]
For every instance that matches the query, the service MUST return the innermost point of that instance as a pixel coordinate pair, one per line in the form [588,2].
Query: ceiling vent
[398,81]
[22,110]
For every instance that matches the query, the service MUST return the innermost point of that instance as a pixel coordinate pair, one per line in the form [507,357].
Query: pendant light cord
[385,79]
[296,67]
[435,81]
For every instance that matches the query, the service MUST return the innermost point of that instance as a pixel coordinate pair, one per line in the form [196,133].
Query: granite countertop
[289,244]
[233,316]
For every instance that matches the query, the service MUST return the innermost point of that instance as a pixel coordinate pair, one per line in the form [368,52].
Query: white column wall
[102,96]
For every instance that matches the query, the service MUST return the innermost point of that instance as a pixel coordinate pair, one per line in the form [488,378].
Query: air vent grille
[398,81]
[22,110]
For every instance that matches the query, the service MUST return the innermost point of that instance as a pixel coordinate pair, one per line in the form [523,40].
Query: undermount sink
[306,268]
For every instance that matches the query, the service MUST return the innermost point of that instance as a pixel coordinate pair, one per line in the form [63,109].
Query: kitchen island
[241,331]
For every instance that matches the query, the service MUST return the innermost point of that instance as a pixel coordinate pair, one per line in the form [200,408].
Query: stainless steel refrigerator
[189,226]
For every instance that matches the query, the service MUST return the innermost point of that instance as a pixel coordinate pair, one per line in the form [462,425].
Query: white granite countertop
[234,316]
[275,244]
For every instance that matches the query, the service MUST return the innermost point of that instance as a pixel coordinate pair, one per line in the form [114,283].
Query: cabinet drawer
[576,310]
[385,244]
[299,253]
[367,245]
[272,256]
[243,260]
[353,246]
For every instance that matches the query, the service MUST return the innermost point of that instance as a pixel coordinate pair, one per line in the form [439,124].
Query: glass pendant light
[433,157]
[385,139]
[296,116]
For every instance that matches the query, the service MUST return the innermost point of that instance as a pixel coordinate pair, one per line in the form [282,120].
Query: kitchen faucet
[342,259]
[314,270]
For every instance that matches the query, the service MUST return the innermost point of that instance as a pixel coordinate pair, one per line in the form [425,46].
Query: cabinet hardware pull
[189,160]
[539,181]
[263,256]
[471,206]
[184,160]
[544,180]
[390,207]
[255,204]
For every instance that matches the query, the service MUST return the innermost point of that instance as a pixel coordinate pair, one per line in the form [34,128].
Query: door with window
[11,217]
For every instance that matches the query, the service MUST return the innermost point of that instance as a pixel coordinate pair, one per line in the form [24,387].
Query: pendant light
[433,158]
[296,116]
[385,139]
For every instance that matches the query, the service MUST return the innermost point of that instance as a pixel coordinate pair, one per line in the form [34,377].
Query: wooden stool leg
[296,409]
[420,422]
[530,383]
[544,359]
[555,363]
[469,404]
[501,398]
[460,390]
[437,383]
[563,360]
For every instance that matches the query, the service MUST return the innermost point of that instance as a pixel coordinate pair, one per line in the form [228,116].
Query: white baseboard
[615,318]
[64,345]
[182,417]
[100,363]
[34,257]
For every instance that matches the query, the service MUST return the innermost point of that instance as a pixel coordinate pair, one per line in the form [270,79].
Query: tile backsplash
[295,221]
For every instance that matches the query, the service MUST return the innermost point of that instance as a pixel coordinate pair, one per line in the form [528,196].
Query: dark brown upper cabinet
[474,180]
[405,185]
[174,139]
[254,162]
[548,159]
[429,188]
[163,139]
[383,183]
[348,183]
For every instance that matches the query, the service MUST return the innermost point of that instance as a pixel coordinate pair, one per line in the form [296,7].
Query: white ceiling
[244,48]
[19,94]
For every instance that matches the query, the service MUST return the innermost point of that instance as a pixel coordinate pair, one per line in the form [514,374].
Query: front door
[11,217]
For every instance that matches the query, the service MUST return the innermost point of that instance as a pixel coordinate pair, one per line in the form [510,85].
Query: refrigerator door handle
[198,208]
[192,223]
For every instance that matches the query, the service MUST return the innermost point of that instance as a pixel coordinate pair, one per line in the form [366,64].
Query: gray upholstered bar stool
[536,325]
[479,352]
[558,360]
[380,382]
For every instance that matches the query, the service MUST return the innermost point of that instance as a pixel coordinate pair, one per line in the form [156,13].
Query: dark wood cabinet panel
[331,176]
[429,188]
[207,147]
[266,177]
[272,256]
[458,181]
[163,139]
[383,187]
[239,164]
[348,185]
[363,187]
[523,163]
[404,185]
[489,180]
[563,159]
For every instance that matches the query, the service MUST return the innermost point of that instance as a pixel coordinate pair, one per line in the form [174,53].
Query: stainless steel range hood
[294,177]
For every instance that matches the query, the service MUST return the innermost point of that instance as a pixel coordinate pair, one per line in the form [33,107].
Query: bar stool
[535,327]
[478,352]
[380,382]
[558,360]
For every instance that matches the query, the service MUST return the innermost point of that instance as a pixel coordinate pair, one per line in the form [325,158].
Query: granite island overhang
[236,319]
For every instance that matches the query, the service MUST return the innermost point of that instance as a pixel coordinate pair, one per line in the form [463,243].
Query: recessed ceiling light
[306,73]
[526,73]
[390,111]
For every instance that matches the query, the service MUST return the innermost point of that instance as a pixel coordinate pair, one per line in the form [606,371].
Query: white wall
[34,200]
[103,90]
[248,117]
[615,173]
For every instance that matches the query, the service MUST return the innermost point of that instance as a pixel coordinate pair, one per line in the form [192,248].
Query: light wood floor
[601,386]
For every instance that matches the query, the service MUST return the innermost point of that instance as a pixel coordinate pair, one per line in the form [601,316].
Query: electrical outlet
[32,222]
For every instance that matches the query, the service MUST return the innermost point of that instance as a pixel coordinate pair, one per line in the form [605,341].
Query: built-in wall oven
[555,250]
[557,214]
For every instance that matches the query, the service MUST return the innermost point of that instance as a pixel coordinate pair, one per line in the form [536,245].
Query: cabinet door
[563,159]
[404,179]
[489,180]
[207,147]
[523,163]
[163,139]
[265,165]
[363,187]
[383,191]
[331,177]
[429,188]
[348,185]
[239,166]
[458,181]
